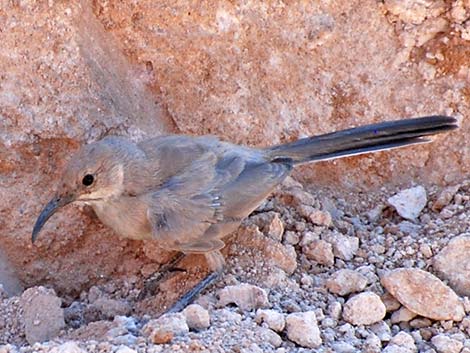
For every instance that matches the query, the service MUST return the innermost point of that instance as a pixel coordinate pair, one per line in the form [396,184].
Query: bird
[188,193]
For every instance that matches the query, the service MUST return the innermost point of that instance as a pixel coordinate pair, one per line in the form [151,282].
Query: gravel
[383,288]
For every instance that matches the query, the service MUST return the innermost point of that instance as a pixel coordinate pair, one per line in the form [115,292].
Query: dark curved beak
[51,208]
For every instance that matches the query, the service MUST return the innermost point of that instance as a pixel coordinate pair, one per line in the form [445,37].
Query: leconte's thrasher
[188,193]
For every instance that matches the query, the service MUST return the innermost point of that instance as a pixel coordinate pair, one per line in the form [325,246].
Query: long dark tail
[363,139]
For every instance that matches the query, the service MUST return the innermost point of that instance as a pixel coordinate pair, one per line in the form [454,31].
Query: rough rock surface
[346,281]
[453,264]
[245,296]
[197,317]
[43,315]
[410,202]
[364,309]
[302,328]
[165,328]
[424,294]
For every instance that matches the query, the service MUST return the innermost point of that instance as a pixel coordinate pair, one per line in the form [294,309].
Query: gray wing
[209,197]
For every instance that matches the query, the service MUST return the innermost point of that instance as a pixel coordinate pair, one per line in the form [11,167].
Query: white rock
[382,330]
[165,328]
[302,328]
[273,319]
[269,336]
[344,247]
[320,251]
[445,344]
[245,296]
[343,347]
[125,349]
[346,281]
[321,218]
[396,349]
[404,340]
[410,202]
[69,347]
[197,317]
[373,344]
[364,309]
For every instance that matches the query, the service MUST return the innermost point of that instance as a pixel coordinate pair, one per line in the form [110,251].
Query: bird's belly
[128,221]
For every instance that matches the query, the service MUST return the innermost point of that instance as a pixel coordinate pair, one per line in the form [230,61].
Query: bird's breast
[127,216]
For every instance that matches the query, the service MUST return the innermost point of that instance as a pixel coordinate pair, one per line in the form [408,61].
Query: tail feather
[364,139]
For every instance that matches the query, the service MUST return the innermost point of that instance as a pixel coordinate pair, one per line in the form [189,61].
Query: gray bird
[188,193]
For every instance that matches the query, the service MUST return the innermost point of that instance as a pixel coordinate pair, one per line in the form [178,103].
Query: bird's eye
[88,180]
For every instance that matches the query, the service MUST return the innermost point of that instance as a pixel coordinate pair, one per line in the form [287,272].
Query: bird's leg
[152,282]
[216,263]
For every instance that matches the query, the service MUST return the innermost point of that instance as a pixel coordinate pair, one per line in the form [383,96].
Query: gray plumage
[188,192]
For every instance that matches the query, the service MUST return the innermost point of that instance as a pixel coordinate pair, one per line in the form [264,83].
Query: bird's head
[93,174]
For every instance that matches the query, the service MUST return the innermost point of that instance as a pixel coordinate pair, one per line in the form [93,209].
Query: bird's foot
[151,284]
[189,297]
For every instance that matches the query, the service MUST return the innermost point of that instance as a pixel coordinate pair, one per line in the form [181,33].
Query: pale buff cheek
[114,187]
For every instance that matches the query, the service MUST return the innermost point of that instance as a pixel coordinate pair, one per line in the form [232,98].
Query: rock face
[424,294]
[72,72]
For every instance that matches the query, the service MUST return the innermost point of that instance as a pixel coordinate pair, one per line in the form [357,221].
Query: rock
[414,12]
[424,294]
[345,281]
[275,228]
[269,336]
[390,302]
[405,341]
[445,344]
[111,307]
[364,309]
[410,202]
[124,349]
[344,247]
[70,347]
[245,296]
[445,197]
[227,315]
[334,310]
[425,250]
[165,328]
[270,224]
[302,328]
[452,263]
[382,330]
[407,227]
[43,315]
[197,317]
[273,252]
[343,347]
[320,218]
[420,322]
[273,319]
[373,344]
[402,315]
[320,251]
